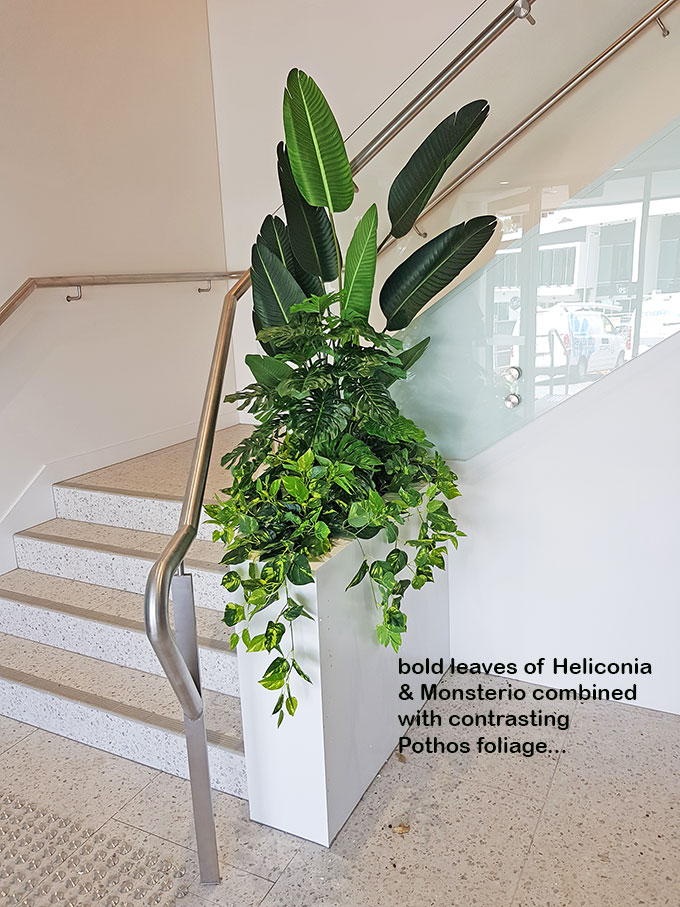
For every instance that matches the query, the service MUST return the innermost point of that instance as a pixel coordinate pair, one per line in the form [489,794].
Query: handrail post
[195,733]
[178,651]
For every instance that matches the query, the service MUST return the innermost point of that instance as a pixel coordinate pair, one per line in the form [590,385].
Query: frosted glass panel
[594,284]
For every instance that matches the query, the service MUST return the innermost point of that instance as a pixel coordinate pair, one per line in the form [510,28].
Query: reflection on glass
[595,284]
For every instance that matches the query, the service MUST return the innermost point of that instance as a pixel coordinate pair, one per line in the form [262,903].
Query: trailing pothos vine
[331,457]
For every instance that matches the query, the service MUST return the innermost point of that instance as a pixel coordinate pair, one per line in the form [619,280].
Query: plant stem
[337,250]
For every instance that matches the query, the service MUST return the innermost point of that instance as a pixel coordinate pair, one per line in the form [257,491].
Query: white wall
[573,533]
[108,164]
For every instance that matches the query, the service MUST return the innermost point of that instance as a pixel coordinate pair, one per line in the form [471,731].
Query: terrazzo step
[114,557]
[145,492]
[106,624]
[119,710]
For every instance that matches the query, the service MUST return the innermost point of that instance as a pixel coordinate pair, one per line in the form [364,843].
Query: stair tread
[100,603]
[134,542]
[124,691]
[163,473]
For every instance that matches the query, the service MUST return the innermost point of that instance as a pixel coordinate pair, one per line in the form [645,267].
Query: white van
[577,340]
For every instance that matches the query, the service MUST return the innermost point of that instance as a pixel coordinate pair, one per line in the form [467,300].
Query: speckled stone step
[114,557]
[104,623]
[145,492]
[120,710]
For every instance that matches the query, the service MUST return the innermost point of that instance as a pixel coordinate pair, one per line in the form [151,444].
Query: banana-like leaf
[309,229]
[257,327]
[267,371]
[415,183]
[430,268]
[274,289]
[316,149]
[360,268]
[410,356]
[274,234]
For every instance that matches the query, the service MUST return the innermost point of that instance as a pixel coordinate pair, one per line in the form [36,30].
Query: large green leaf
[267,371]
[410,356]
[321,417]
[316,149]
[309,229]
[274,234]
[257,327]
[274,289]
[430,268]
[415,183]
[360,268]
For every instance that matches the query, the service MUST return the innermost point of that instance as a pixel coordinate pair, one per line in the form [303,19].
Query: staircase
[74,657]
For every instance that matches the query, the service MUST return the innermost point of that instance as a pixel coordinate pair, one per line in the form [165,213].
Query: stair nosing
[112,549]
[133,713]
[24,598]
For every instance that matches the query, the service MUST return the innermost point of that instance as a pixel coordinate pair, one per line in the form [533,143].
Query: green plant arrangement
[331,457]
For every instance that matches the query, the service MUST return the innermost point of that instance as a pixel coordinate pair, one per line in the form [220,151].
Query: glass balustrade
[583,274]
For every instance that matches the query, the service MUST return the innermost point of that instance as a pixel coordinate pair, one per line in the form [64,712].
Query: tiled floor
[594,824]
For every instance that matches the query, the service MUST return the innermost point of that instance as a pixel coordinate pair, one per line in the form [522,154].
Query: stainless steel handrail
[106,280]
[521,9]
[156,607]
[547,105]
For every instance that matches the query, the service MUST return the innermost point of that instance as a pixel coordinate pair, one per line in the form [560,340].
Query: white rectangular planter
[307,776]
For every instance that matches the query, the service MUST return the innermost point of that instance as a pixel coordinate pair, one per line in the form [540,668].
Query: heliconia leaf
[317,152]
[257,327]
[360,268]
[267,371]
[410,356]
[430,268]
[309,229]
[274,234]
[274,289]
[414,185]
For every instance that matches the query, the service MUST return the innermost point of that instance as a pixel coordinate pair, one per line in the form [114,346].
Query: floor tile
[529,776]
[164,807]
[460,844]
[610,830]
[71,779]
[130,865]
[11,732]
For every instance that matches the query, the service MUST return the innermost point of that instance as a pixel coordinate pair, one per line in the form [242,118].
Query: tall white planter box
[307,776]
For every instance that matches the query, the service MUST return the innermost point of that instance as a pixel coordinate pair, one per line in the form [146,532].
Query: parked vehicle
[577,341]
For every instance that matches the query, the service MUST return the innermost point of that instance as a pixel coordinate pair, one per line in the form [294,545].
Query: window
[557,266]
[668,274]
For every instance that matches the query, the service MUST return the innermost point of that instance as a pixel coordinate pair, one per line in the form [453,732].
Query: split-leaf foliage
[331,457]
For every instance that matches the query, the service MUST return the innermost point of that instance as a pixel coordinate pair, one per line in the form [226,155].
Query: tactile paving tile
[46,859]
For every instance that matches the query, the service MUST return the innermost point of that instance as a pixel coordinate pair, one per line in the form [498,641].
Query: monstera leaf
[415,184]
[274,289]
[310,231]
[360,268]
[274,234]
[315,147]
[430,268]
[267,371]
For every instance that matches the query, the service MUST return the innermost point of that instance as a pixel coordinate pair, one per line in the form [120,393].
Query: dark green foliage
[331,457]
[432,267]
[415,184]
[311,234]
